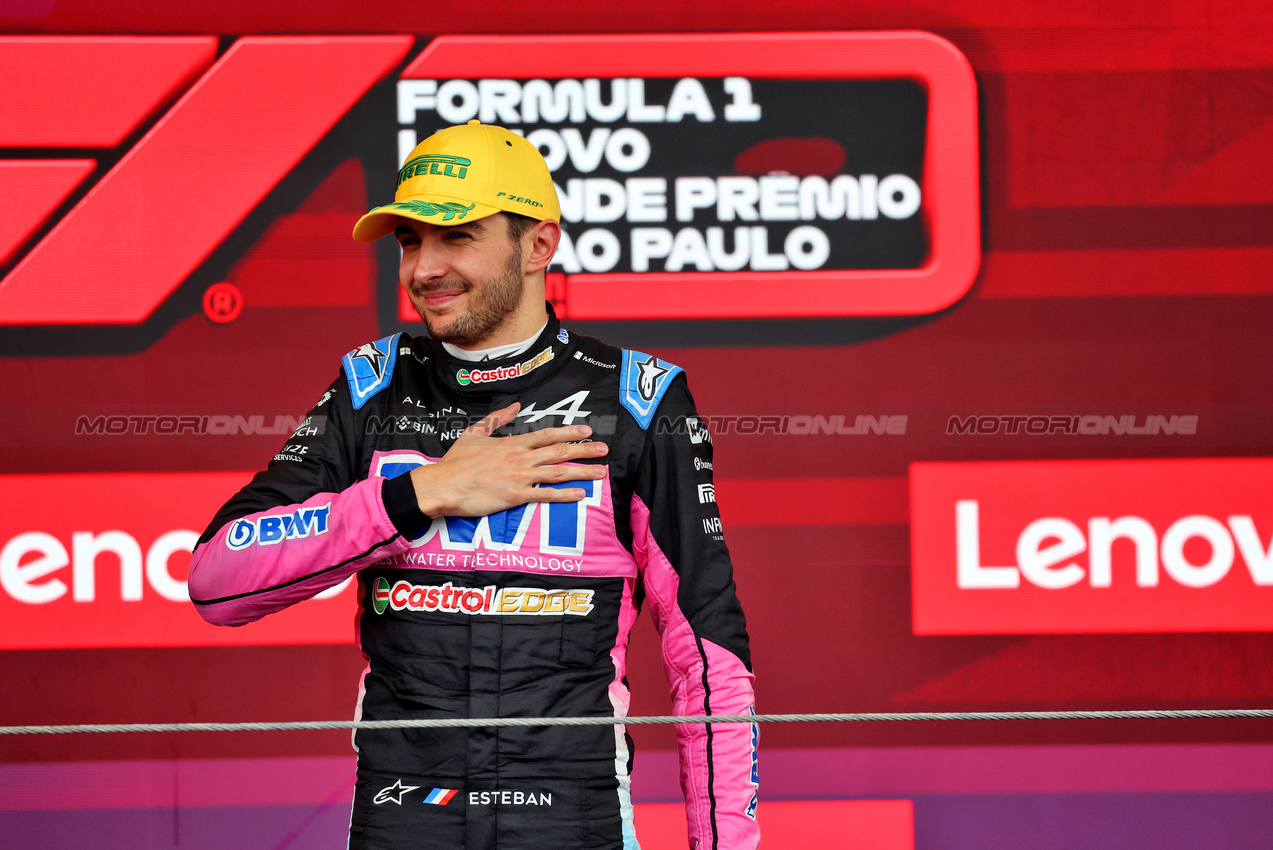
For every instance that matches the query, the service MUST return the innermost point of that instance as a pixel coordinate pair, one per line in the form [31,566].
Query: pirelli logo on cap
[523,601]
[447,166]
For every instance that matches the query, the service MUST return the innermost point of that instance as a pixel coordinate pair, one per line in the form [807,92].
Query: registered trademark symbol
[222,302]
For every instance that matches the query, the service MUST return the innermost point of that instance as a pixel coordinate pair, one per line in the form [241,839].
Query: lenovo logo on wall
[1092,546]
[100,560]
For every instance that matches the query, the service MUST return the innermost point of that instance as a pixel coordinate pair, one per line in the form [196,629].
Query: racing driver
[501,565]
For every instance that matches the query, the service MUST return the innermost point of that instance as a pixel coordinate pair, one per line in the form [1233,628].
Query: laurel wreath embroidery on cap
[449,210]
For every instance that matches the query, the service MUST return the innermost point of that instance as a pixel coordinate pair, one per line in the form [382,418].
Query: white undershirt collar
[496,352]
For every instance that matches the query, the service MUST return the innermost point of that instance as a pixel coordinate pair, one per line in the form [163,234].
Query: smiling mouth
[435,297]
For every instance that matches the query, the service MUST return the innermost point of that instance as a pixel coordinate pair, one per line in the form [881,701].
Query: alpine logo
[568,409]
[268,530]
[491,600]
[503,373]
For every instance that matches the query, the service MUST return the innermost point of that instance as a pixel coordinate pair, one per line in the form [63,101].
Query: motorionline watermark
[1084,425]
[449,427]
[797,425]
[211,424]
[698,428]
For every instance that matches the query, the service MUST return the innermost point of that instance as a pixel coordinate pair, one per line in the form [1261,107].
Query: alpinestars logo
[503,373]
[651,371]
[394,793]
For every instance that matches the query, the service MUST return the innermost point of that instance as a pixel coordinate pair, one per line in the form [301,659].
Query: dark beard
[500,297]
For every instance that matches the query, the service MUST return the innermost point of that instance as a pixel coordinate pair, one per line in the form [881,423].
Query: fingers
[557,494]
[549,436]
[556,475]
[565,452]
[568,472]
[493,421]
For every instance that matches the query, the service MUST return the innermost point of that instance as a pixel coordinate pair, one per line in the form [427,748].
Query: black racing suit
[523,613]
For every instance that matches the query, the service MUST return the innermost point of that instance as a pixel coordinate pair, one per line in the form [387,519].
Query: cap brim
[383,220]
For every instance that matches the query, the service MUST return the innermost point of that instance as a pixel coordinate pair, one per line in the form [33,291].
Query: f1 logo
[243,122]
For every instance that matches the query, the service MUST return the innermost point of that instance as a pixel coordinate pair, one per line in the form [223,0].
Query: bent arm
[302,525]
[265,561]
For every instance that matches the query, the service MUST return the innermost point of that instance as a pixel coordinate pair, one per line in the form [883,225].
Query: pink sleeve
[718,761]
[265,561]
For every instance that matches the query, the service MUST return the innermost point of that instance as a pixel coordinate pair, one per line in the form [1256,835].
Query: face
[465,281]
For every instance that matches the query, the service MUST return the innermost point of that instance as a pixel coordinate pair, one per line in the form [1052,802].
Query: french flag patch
[440,796]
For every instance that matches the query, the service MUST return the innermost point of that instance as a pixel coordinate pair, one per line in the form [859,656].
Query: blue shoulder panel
[369,368]
[643,379]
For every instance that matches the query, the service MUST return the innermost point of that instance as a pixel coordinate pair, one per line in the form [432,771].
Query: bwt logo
[1052,547]
[268,530]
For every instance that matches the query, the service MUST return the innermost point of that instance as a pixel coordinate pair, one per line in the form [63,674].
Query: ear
[539,244]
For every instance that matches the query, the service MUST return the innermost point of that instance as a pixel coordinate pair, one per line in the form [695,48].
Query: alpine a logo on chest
[569,409]
[492,600]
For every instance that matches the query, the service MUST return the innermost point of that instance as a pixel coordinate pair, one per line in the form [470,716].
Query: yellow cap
[463,174]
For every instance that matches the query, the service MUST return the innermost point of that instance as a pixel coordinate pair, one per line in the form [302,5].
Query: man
[501,575]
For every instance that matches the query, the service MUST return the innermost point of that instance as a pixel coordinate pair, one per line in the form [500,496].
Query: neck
[523,323]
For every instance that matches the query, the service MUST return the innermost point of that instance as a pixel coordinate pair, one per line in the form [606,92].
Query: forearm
[263,562]
[718,760]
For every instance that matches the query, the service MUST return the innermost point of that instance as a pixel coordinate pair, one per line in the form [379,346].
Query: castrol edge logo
[525,601]
[1092,546]
[503,373]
